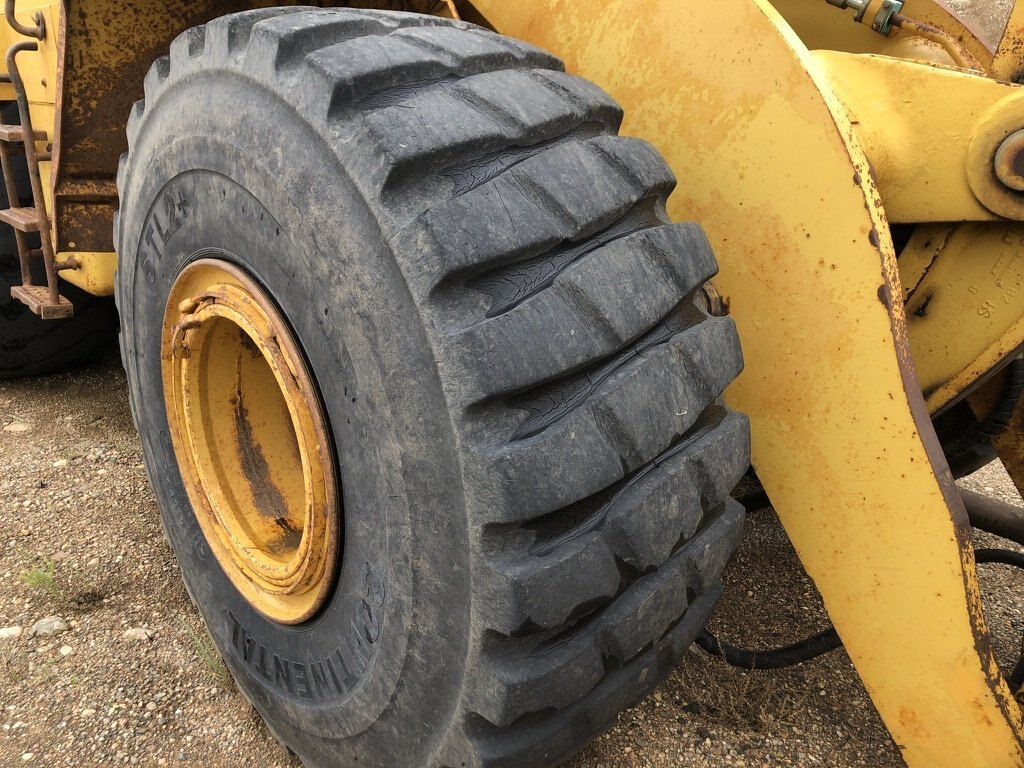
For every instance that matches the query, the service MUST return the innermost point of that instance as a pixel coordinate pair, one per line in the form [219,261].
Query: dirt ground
[130,678]
[134,680]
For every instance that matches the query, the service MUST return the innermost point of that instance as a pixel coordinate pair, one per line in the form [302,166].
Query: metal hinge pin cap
[1009,162]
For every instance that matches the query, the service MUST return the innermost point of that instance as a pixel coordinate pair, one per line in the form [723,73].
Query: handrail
[39,33]
[32,160]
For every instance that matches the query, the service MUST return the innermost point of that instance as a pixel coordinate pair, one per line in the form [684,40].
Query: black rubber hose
[1002,556]
[824,642]
[1006,557]
[1016,678]
[776,658]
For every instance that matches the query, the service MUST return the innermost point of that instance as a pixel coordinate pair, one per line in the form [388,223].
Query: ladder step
[22,219]
[37,299]
[13,134]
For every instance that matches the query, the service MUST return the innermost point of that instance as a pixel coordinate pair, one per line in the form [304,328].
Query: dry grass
[43,578]
[206,652]
[738,699]
[67,589]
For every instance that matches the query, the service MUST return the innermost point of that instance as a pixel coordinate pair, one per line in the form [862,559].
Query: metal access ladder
[43,300]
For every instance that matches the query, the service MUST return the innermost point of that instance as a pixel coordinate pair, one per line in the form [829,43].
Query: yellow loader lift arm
[803,142]
[778,157]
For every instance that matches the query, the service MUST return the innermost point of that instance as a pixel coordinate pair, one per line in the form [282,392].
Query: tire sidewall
[218,183]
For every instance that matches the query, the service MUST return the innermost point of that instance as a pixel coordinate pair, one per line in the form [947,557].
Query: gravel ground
[988,16]
[133,678]
[130,677]
[75,503]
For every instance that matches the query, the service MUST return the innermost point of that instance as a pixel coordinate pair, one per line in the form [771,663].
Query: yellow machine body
[800,140]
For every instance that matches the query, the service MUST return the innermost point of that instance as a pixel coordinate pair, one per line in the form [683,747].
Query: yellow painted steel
[770,163]
[1007,64]
[911,119]
[39,72]
[931,133]
[820,26]
[95,274]
[251,442]
[964,289]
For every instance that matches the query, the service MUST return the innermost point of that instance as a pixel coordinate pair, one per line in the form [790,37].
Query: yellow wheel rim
[251,440]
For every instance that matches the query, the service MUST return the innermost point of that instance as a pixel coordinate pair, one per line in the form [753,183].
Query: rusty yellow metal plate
[913,120]
[965,312]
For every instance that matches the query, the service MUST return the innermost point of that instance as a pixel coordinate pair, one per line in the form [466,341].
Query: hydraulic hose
[828,640]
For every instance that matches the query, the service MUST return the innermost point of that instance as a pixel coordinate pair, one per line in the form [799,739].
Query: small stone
[27,756]
[66,650]
[47,627]
[60,463]
[94,563]
[17,427]
[10,633]
[139,634]
[151,706]
[88,712]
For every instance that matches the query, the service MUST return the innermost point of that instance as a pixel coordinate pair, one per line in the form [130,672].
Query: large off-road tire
[967,439]
[30,346]
[512,357]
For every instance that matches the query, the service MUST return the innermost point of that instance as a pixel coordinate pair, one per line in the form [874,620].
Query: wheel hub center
[251,440]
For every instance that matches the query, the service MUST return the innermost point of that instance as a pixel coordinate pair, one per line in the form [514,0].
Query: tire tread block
[562,672]
[639,525]
[628,419]
[609,298]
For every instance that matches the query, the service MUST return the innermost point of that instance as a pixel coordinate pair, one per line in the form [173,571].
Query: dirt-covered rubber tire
[521,380]
[965,448]
[30,346]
